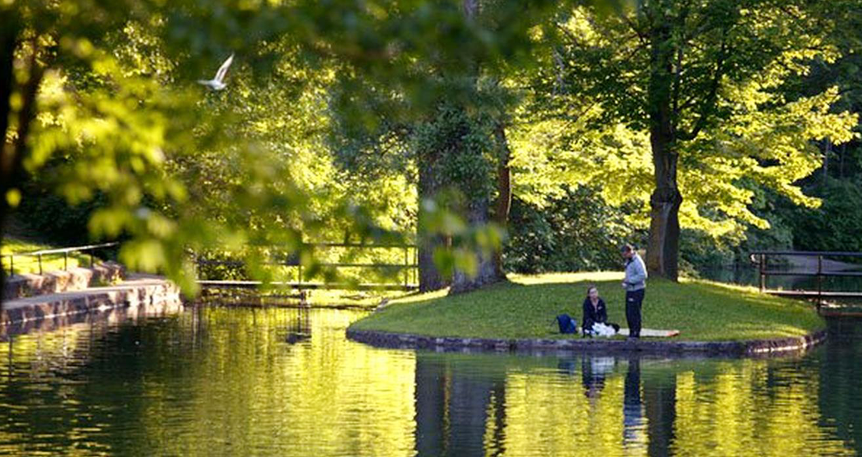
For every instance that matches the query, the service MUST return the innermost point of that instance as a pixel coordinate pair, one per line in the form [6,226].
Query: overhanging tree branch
[708,105]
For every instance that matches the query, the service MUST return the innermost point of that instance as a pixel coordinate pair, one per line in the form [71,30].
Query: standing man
[635,286]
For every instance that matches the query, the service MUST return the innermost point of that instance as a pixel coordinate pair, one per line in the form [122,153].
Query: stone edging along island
[742,348]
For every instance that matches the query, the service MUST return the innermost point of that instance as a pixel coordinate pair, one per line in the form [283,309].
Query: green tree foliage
[407,120]
[451,139]
[837,220]
[696,88]
[69,97]
[106,93]
[574,232]
[791,226]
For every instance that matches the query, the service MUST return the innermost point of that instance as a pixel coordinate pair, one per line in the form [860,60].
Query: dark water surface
[218,381]
[750,276]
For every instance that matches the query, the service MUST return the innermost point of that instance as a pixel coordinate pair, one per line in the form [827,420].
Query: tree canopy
[420,122]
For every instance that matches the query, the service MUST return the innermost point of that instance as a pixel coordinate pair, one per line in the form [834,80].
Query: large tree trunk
[478,208]
[429,276]
[486,272]
[663,248]
[504,192]
[8,41]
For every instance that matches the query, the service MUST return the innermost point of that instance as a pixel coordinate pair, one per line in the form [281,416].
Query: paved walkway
[810,264]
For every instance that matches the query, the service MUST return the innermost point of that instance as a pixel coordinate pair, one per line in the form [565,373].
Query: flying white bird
[217,83]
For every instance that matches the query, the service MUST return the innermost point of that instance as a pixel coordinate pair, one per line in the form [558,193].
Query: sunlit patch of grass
[526,306]
[564,278]
[27,264]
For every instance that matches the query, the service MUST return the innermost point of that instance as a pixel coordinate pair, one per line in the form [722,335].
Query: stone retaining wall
[750,348]
[29,285]
[51,311]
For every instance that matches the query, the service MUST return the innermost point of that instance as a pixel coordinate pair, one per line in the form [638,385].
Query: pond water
[750,276]
[218,381]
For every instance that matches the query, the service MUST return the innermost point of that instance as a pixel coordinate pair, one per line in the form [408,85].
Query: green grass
[28,264]
[526,306]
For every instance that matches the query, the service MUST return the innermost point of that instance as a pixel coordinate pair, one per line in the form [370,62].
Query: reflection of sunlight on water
[749,410]
[216,381]
[557,414]
[210,381]
[327,394]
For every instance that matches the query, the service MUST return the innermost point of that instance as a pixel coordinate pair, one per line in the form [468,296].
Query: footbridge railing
[8,260]
[819,265]
[401,259]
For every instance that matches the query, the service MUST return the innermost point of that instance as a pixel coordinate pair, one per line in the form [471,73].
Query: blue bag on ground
[567,324]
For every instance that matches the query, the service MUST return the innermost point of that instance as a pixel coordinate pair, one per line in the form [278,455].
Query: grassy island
[525,307]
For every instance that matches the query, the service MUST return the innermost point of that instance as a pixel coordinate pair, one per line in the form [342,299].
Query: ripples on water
[218,381]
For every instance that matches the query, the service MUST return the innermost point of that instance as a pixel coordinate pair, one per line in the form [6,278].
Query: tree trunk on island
[663,247]
[429,276]
[429,185]
[486,272]
[475,208]
[504,192]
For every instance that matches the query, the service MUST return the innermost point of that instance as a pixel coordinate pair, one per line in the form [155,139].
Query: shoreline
[516,316]
[538,346]
[140,294]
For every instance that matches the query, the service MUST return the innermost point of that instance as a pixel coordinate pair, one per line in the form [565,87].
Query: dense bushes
[576,232]
[837,224]
[48,217]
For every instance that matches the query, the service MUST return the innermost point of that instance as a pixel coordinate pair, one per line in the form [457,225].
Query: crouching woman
[595,311]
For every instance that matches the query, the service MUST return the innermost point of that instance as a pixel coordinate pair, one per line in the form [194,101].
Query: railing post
[819,281]
[762,271]
[40,264]
[12,265]
[196,265]
[299,263]
[65,261]
[406,266]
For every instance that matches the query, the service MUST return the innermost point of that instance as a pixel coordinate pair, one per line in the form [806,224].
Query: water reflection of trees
[212,381]
[216,380]
[458,413]
[839,393]
[489,409]
[573,406]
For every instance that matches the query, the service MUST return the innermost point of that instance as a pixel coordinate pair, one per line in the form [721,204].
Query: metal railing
[89,249]
[761,260]
[409,267]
